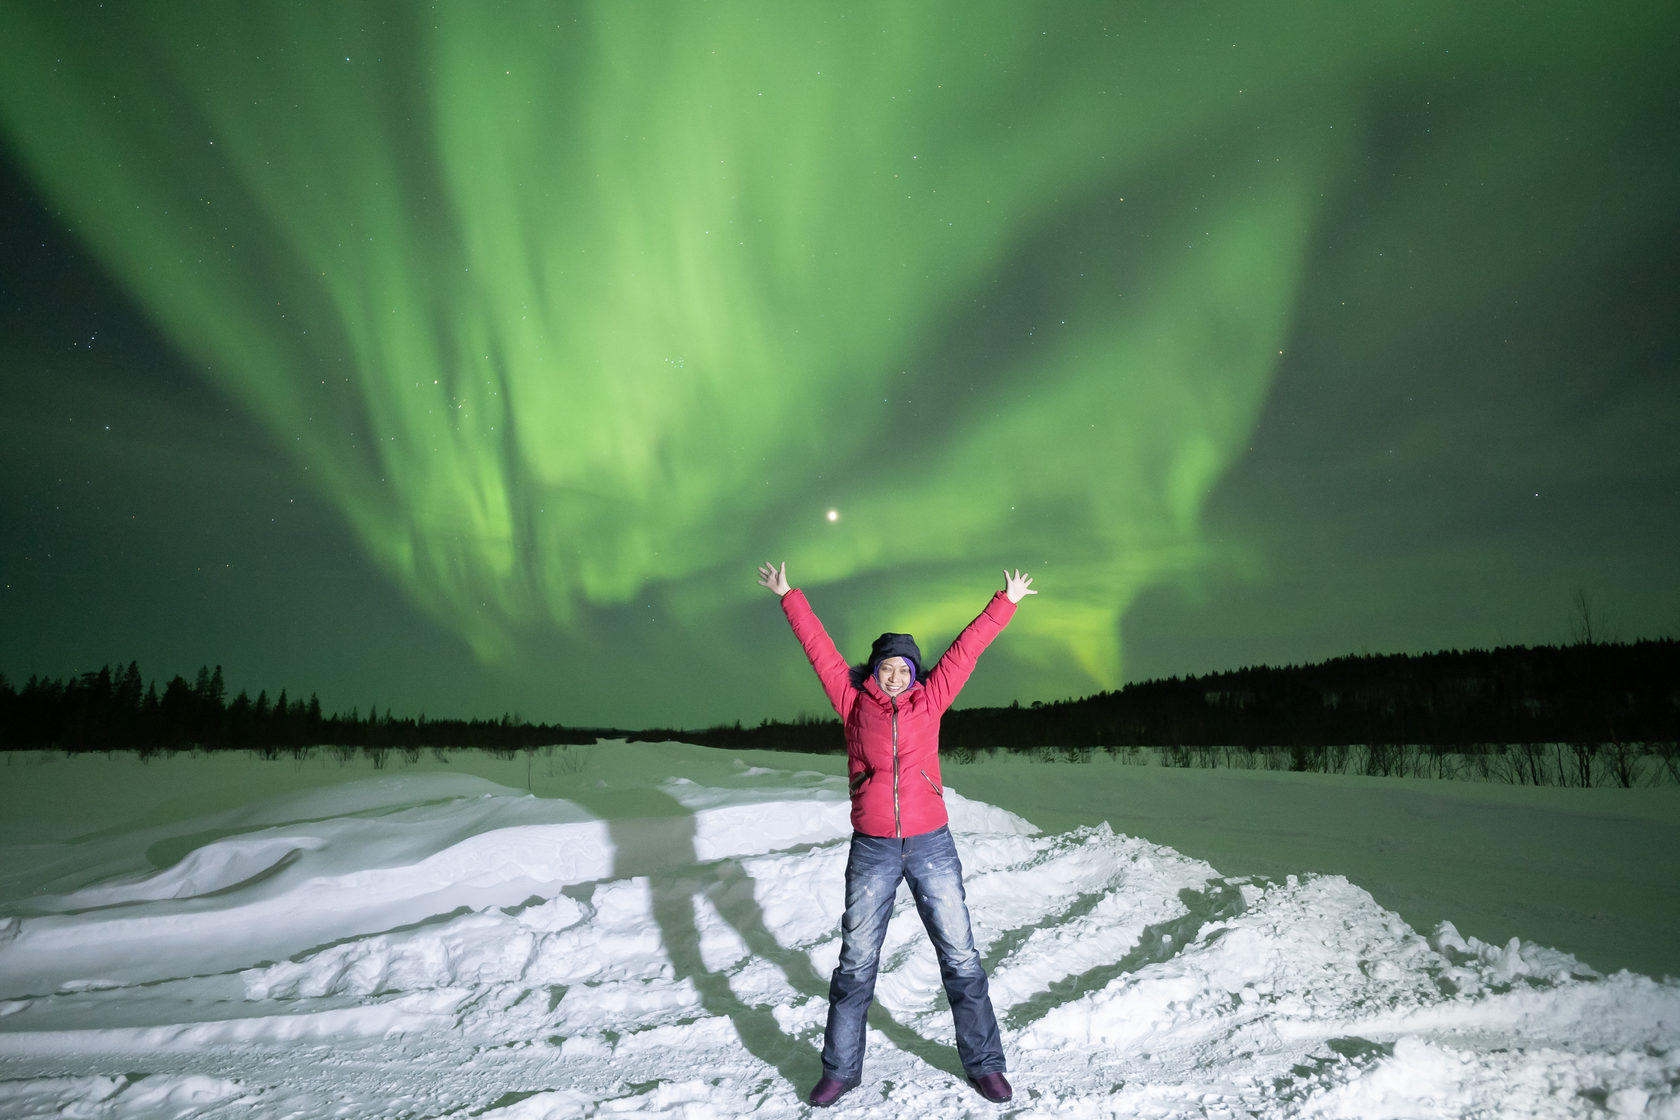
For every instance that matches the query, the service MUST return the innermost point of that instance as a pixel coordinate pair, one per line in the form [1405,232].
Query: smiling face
[894,675]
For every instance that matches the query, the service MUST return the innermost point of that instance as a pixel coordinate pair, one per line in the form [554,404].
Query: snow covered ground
[227,937]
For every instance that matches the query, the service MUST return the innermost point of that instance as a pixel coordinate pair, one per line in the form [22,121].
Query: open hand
[769,575]
[1017,586]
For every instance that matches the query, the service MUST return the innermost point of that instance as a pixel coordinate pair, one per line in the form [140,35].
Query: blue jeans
[929,862]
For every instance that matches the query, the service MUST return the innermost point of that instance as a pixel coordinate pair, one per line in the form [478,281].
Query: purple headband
[908,664]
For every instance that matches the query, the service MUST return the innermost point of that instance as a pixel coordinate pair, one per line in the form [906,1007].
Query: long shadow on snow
[662,848]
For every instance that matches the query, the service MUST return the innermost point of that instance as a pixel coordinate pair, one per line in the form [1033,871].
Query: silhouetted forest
[1609,702]
[115,710]
[1598,706]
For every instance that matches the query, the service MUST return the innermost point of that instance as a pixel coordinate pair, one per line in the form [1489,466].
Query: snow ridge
[454,948]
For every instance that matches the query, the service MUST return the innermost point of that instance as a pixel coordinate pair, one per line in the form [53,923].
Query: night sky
[467,359]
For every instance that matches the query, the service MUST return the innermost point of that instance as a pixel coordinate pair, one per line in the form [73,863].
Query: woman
[891,710]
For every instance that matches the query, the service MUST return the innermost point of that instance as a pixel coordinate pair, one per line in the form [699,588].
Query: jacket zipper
[898,824]
[933,785]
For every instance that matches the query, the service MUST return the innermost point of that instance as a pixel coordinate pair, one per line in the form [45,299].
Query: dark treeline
[1514,695]
[805,734]
[1588,692]
[1625,696]
[115,710]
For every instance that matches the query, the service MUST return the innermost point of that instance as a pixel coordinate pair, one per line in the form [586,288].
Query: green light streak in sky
[564,303]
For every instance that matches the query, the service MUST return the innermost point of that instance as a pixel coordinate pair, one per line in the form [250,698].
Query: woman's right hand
[769,575]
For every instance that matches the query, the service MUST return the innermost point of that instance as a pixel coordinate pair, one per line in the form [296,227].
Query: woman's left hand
[1017,586]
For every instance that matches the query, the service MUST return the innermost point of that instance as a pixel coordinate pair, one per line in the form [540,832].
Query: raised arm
[954,669]
[831,668]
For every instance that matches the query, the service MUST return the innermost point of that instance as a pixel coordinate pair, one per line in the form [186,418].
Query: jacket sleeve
[952,672]
[832,670]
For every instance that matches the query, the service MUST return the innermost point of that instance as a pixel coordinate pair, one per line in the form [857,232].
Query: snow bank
[658,945]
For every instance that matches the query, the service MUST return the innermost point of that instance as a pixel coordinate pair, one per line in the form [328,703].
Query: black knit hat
[896,645]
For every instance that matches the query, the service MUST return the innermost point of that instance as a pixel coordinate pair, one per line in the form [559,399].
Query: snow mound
[123,1097]
[661,947]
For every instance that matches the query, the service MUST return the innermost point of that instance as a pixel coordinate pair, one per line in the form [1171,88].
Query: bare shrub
[571,758]
[1382,760]
[1622,761]
[1668,758]
[1530,761]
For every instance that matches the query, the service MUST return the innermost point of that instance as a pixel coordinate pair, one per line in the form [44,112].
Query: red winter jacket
[892,744]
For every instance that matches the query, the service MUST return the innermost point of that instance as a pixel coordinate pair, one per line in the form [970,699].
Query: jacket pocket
[933,785]
[861,779]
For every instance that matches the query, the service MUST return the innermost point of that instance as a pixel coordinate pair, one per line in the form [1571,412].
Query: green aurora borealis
[1254,337]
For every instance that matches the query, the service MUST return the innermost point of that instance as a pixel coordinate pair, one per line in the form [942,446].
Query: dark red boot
[994,1087]
[829,1090]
